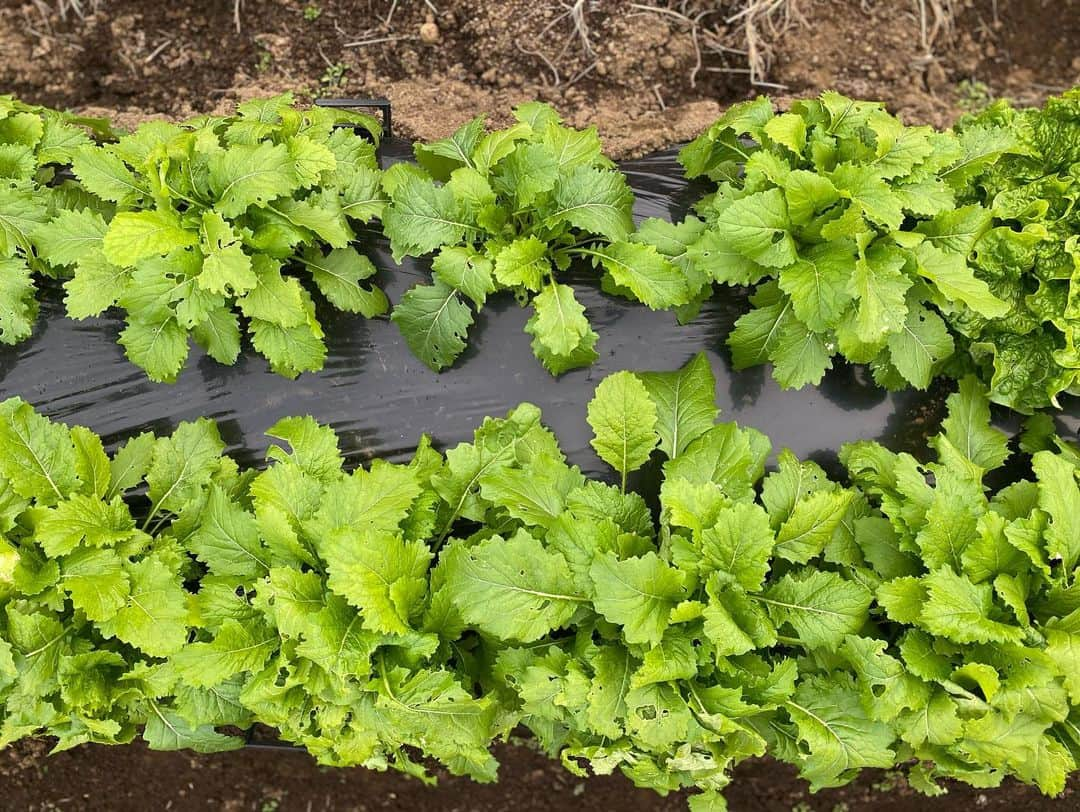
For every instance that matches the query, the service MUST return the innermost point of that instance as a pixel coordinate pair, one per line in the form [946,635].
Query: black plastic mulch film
[380,398]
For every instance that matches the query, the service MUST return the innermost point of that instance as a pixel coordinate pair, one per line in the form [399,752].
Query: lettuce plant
[1029,254]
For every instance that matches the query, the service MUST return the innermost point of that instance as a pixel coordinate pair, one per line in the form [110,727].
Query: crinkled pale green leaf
[133,236]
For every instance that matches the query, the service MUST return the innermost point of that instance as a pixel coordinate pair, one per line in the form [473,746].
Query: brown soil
[133,779]
[633,73]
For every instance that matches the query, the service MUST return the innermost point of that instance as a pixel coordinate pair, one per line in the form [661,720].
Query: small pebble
[429,32]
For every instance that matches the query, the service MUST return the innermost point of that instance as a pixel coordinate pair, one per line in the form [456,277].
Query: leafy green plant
[1029,254]
[34,143]
[910,618]
[217,218]
[510,210]
[849,225]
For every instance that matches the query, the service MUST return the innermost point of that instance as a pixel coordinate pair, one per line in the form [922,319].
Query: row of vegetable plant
[909,617]
[915,251]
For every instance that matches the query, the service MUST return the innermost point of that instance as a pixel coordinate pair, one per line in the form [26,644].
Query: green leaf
[1059,496]
[514,589]
[757,226]
[382,575]
[70,236]
[466,270]
[434,322]
[226,267]
[133,236]
[811,525]
[165,730]
[740,543]
[646,273]
[840,737]
[338,275]
[523,262]
[968,428]
[422,217]
[182,465]
[597,201]
[951,274]
[96,582]
[637,593]
[237,647]
[154,615]
[18,303]
[818,284]
[960,610]
[684,401]
[623,419]
[251,174]
[559,322]
[921,346]
[820,606]
[38,456]
[227,540]
[103,173]
[159,347]
[84,520]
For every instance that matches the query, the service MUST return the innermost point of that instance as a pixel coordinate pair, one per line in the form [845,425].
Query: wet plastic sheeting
[380,398]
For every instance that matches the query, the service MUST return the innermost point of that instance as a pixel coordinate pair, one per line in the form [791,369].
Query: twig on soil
[579,16]
[237,5]
[365,42]
[390,13]
[659,98]
[154,54]
[551,67]
[581,74]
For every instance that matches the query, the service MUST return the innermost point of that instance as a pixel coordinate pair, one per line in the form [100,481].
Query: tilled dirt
[647,73]
[96,778]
